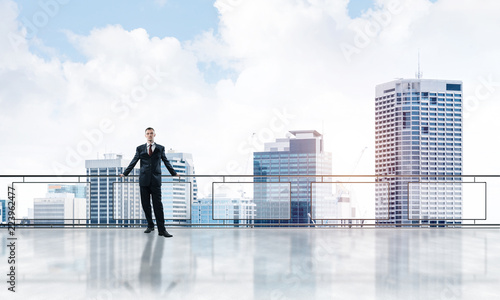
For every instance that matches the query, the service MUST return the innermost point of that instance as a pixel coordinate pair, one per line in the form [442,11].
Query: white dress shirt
[153,147]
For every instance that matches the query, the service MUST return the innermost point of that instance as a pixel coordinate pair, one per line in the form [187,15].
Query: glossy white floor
[264,263]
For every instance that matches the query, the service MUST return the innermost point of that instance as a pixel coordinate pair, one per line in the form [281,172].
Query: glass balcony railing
[248,201]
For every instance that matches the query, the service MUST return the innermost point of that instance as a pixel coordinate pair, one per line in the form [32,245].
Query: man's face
[150,135]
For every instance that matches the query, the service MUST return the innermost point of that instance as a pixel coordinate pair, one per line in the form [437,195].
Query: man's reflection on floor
[150,271]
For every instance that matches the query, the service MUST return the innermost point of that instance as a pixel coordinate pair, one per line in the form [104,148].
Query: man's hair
[149,128]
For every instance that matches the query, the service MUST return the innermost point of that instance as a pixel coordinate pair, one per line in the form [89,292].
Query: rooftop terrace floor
[253,263]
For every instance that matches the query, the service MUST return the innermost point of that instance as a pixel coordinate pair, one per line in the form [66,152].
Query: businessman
[151,156]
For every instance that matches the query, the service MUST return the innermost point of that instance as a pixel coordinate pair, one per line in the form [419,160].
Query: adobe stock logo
[483,91]
[366,30]
[48,9]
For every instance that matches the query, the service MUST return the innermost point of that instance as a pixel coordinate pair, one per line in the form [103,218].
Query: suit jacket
[150,174]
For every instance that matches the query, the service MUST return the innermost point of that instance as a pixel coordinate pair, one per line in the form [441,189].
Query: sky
[220,78]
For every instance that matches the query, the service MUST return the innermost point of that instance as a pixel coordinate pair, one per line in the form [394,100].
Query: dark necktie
[150,150]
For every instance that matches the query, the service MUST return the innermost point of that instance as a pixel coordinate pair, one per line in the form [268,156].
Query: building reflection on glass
[419,264]
[259,263]
[287,273]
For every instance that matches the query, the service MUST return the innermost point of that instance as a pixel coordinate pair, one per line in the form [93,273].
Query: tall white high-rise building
[178,194]
[418,131]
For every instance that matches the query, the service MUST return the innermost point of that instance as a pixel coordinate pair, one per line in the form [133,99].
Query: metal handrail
[179,176]
[251,176]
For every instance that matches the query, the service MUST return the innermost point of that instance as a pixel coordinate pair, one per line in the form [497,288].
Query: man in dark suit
[151,156]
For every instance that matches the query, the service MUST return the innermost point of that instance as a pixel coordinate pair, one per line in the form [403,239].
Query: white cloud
[161,3]
[286,55]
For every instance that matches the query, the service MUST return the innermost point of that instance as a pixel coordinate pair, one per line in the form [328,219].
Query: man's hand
[121,175]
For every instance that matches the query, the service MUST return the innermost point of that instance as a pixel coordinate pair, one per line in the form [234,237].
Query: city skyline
[118,203]
[321,149]
[232,94]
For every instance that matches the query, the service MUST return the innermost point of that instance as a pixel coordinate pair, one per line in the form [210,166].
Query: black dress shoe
[165,234]
[148,230]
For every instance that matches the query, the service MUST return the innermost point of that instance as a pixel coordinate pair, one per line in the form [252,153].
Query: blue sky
[181,19]
[175,18]
[356,8]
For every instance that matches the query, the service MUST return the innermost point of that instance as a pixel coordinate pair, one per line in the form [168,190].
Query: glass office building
[283,199]
[178,195]
[113,200]
[3,211]
[418,131]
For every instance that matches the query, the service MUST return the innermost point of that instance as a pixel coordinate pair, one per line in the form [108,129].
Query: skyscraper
[3,211]
[177,194]
[300,154]
[418,131]
[113,200]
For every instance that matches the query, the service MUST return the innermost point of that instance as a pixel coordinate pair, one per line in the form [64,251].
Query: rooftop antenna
[419,73]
